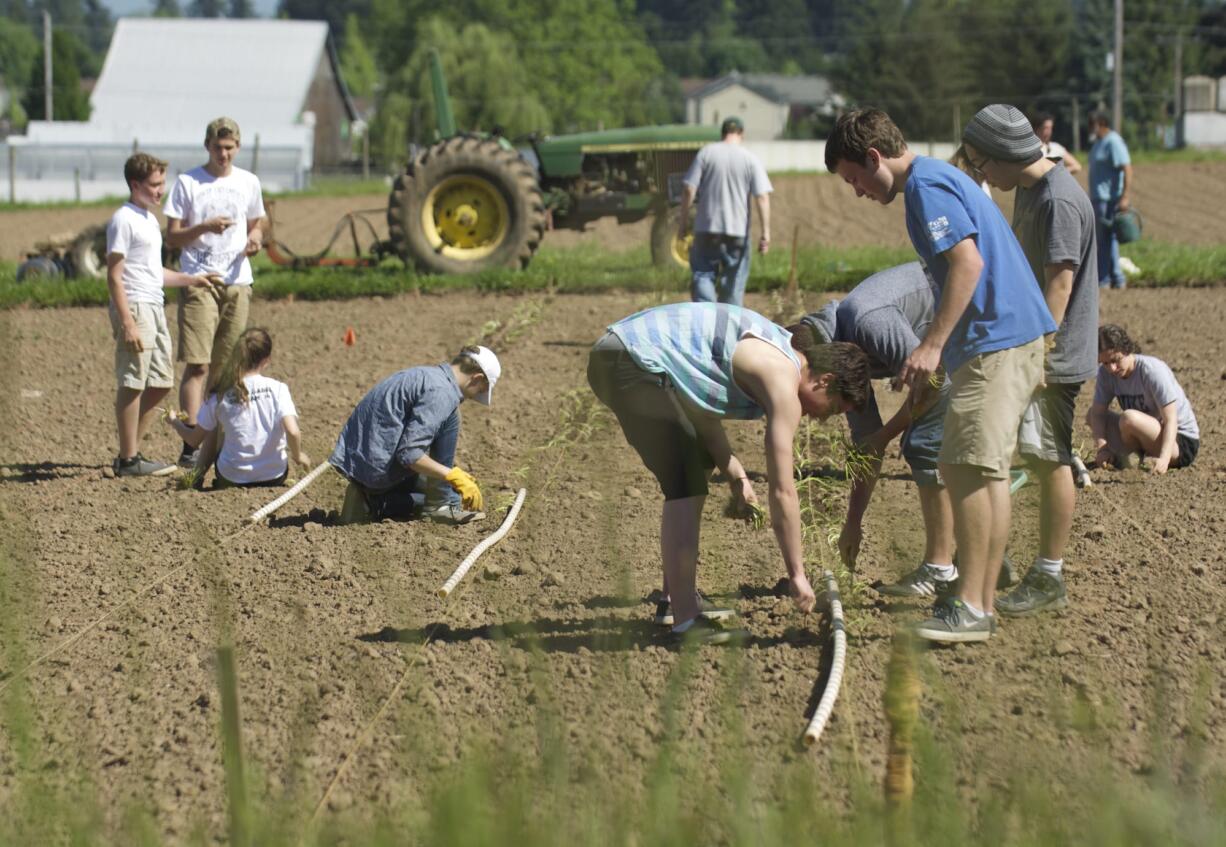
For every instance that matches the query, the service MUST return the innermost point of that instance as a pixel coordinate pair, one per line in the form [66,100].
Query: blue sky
[143,7]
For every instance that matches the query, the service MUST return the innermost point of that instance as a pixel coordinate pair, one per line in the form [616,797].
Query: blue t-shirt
[1107,159]
[1007,309]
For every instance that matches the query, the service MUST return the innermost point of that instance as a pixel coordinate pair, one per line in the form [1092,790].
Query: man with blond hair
[215,214]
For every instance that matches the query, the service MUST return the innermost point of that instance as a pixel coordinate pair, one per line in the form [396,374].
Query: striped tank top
[692,344]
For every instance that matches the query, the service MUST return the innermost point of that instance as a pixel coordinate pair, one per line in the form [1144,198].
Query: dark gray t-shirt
[886,316]
[1149,387]
[725,176]
[1054,222]
[395,424]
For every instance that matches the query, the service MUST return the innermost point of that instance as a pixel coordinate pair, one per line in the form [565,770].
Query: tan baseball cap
[222,125]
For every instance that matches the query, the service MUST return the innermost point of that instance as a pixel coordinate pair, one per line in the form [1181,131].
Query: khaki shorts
[990,394]
[152,367]
[210,325]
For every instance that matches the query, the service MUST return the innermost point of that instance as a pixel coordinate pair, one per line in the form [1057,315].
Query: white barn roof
[167,72]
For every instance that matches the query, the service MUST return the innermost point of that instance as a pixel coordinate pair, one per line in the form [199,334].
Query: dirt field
[1178,201]
[325,619]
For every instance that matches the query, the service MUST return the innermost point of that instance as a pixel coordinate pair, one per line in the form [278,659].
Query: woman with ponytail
[251,417]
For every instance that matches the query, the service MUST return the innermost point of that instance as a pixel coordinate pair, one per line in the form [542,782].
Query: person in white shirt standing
[1043,124]
[135,278]
[250,418]
[215,214]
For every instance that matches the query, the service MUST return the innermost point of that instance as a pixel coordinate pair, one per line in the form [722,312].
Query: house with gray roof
[767,103]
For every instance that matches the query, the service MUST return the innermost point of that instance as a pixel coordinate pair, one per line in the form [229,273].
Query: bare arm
[178,235]
[715,439]
[293,440]
[1126,197]
[209,447]
[1098,429]
[1071,164]
[1058,289]
[763,202]
[114,284]
[688,192]
[255,236]
[965,266]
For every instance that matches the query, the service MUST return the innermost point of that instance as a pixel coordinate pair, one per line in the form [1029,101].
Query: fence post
[1076,126]
[135,146]
[366,154]
[76,183]
[255,156]
[12,173]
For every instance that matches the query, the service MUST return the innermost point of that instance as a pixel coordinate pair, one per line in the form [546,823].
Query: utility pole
[1117,81]
[1178,116]
[48,114]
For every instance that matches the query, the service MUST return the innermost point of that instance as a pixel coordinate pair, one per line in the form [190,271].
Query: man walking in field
[1054,221]
[215,213]
[724,176]
[1110,187]
[671,374]
[987,331]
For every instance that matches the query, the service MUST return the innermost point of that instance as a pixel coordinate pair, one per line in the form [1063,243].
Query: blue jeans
[720,268]
[406,498]
[1109,271]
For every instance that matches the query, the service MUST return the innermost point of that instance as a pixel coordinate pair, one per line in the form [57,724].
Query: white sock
[684,627]
[1051,567]
[977,614]
[945,573]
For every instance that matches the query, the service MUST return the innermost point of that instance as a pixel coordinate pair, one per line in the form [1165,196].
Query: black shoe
[187,458]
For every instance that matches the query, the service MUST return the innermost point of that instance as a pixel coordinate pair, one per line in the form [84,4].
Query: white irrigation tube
[297,489]
[486,543]
[826,705]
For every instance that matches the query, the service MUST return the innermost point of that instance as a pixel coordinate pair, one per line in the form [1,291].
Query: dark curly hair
[1113,337]
[846,363]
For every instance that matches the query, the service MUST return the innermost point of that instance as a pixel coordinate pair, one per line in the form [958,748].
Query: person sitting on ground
[1156,420]
[135,279]
[670,374]
[247,422]
[886,315]
[405,431]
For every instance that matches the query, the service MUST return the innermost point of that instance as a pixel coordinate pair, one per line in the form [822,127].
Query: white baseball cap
[491,367]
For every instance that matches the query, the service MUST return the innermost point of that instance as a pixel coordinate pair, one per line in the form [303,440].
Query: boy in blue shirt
[1110,183]
[987,332]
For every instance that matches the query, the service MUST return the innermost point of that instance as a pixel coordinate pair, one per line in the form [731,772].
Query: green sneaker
[1038,592]
[951,623]
[704,631]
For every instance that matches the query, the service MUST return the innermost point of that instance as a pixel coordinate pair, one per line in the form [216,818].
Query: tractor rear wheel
[464,205]
[87,255]
[667,250]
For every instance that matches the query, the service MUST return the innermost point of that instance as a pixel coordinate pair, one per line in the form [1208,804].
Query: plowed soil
[327,619]
[1178,200]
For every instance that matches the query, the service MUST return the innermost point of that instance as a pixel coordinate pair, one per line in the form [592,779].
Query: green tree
[69,102]
[167,9]
[357,62]
[240,9]
[335,12]
[206,8]
[18,50]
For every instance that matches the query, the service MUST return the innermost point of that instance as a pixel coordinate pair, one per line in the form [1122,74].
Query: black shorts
[651,419]
[220,481]
[1188,448]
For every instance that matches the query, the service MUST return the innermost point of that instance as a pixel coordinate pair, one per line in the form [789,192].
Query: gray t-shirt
[395,424]
[886,316]
[1149,387]
[725,175]
[1054,222]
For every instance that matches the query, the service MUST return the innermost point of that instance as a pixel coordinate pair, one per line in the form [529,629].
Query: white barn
[164,79]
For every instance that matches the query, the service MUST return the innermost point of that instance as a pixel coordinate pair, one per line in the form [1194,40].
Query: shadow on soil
[46,471]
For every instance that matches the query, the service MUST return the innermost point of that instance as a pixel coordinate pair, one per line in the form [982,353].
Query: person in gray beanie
[1054,222]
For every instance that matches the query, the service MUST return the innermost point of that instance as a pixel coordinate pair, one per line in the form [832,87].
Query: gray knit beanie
[1003,133]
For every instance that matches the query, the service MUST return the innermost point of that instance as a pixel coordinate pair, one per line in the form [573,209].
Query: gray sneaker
[138,465]
[1038,592]
[452,514]
[706,609]
[952,623]
[921,582]
[188,456]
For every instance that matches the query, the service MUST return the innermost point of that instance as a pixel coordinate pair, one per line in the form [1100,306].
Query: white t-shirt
[197,196]
[254,448]
[1054,150]
[134,233]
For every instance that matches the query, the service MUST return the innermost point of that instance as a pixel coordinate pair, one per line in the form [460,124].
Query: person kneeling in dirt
[670,374]
[1157,419]
[886,315]
[405,431]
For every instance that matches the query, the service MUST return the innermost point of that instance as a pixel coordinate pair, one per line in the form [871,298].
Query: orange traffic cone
[350,337]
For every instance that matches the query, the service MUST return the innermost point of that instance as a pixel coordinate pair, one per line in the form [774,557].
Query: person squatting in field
[671,374]
[1054,222]
[248,423]
[135,279]
[398,447]
[1156,419]
[987,331]
[886,315]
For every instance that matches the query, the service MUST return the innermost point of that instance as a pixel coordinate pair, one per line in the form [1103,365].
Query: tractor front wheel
[464,205]
[667,249]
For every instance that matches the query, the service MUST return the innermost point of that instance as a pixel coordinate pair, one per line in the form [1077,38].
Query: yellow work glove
[466,487]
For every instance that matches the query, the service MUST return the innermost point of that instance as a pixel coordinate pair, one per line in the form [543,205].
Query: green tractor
[472,202]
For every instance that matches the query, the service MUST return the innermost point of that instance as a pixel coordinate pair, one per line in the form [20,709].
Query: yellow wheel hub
[681,249]
[465,217]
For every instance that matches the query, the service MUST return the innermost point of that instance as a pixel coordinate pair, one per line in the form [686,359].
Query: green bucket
[1127,226]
